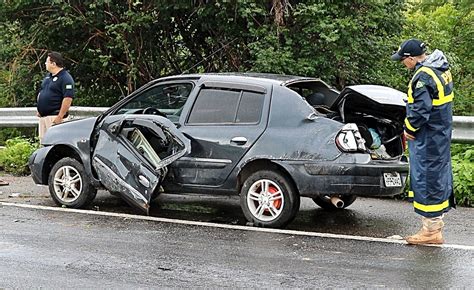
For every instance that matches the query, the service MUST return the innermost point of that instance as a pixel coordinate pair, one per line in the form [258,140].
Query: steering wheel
[153,111]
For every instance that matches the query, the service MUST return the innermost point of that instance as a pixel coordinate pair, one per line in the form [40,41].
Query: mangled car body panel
[132,164]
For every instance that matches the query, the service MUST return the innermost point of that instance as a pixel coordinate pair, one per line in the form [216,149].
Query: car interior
[149,145]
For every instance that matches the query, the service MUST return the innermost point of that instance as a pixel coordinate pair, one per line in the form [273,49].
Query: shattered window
[143,146]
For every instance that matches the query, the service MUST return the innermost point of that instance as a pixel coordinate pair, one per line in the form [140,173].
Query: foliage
[9,133]
[448,26]
[338,41]
[113,47]
[15,75]
[14,158]
[463,173]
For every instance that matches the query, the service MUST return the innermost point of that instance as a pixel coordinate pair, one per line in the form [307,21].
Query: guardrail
[26,117]
[463,127]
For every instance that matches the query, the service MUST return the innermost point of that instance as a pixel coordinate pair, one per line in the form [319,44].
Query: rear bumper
[356,175]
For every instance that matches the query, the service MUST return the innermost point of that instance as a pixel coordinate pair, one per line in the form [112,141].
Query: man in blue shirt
[57,92]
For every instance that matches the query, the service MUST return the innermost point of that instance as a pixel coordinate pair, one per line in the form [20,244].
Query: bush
[10,133]
[14,158]
[463,173]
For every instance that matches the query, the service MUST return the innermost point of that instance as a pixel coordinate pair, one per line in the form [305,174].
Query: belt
[55,113]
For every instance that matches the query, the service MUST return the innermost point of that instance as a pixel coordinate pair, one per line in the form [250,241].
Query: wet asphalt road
[56,249]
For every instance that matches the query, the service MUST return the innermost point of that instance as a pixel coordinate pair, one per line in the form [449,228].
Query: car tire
[274,207]
[324,201]
[69,185]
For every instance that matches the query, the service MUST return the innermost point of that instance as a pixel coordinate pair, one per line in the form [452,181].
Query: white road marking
[232,227]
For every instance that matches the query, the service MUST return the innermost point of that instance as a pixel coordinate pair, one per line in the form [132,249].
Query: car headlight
[349,139]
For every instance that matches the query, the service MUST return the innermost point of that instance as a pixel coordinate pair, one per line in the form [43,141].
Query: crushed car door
[132,154]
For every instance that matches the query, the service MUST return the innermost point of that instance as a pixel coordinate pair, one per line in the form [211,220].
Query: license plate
[392,179]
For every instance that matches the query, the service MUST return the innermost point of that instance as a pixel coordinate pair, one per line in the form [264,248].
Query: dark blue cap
[410,47]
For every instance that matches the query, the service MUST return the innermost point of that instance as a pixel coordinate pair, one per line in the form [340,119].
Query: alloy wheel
[265,200]
[67,184]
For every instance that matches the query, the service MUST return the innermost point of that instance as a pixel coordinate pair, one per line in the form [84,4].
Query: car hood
[70,131]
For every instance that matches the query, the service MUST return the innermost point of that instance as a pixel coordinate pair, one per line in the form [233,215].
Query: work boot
[426,237]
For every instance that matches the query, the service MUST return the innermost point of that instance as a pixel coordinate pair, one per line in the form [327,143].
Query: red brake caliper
[276,202]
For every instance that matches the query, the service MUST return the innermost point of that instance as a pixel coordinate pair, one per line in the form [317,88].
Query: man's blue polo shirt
[53,90]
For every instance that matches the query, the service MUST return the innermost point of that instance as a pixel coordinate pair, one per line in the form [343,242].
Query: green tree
[338,41]
[448,26]
[113,47]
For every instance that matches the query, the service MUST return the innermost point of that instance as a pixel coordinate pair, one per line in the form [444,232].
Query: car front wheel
[69,185]
[269,199]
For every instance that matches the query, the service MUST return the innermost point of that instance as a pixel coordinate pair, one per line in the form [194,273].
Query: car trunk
[378,111]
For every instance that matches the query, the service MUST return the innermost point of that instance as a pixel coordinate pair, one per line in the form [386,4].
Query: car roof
[268,78]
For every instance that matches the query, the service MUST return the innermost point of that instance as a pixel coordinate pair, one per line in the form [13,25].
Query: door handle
[239,140]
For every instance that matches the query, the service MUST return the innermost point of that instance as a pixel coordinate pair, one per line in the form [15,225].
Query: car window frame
[140,93]
[241,88]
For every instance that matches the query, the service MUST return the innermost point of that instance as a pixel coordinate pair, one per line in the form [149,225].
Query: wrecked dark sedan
[271,139]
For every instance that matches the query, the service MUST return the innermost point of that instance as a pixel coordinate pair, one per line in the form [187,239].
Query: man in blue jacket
[428,127]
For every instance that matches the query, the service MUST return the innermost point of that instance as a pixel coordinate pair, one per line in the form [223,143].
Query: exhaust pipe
[337,202]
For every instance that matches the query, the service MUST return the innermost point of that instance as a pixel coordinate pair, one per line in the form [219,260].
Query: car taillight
[349,139]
